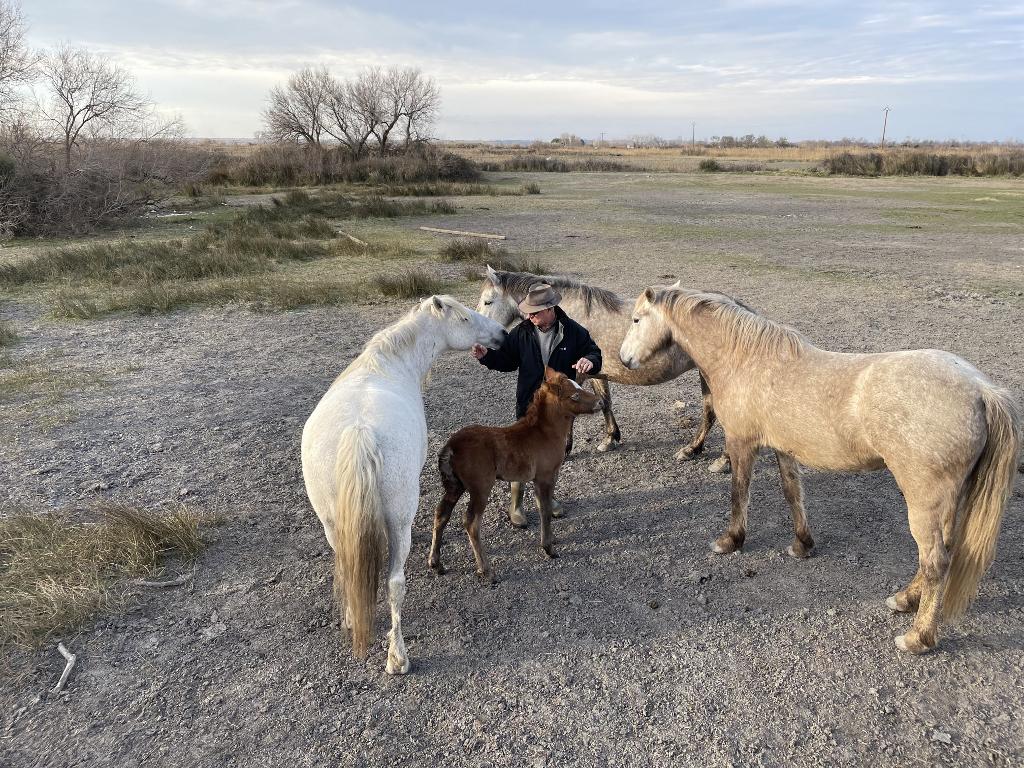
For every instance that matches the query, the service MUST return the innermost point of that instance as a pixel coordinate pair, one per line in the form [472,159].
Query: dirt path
[636,646]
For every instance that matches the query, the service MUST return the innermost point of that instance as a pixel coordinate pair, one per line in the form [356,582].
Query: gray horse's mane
[748,330]
[518,284]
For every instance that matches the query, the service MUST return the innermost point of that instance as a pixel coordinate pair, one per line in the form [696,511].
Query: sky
[530,70]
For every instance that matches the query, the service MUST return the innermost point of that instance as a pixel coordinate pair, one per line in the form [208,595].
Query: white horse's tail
[362,537]
[987,493]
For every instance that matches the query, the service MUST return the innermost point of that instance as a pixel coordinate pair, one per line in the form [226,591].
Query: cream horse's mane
[389,343]
[748,331]
[520,282]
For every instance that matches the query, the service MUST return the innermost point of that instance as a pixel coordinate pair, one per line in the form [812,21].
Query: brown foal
[533,448]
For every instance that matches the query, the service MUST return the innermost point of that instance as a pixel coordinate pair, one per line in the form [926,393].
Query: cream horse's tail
[361,535]
[988,490]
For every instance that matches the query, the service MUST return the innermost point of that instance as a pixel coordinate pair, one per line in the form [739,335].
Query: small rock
[184,492]
[749,573]
[941,737]
[156,447]
[653,604]
[575,600]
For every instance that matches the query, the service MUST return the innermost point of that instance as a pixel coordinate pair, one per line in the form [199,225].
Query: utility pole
[885,122]
[602,138]
[693,135]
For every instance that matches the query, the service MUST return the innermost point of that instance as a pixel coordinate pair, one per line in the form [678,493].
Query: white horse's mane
[389,343]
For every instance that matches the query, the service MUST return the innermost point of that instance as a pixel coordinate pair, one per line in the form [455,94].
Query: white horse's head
[649,332]
[496,303]
[460,326]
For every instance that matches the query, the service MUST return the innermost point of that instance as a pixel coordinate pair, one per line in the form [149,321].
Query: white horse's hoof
[720,466]
[718,549]
[397,666]
[792,553]
[895,607]
[901,642]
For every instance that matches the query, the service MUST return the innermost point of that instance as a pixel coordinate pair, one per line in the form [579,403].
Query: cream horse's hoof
[892,601]
[397,665]
[721,465]
[608,444]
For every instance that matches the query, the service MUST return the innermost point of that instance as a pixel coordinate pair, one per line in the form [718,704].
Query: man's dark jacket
[522,350]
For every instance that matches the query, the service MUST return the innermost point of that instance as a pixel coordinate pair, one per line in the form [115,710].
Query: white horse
[362,451]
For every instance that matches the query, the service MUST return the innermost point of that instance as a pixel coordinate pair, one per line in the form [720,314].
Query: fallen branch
[465,234]
[176,582]
[353,238]
[67,667]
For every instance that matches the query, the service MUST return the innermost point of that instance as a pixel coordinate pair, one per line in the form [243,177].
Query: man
[550,338]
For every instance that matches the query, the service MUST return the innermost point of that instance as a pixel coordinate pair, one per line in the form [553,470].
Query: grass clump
[903,162]
[7,333]
[481,252]
[533,188]
[55,572]
[411,284]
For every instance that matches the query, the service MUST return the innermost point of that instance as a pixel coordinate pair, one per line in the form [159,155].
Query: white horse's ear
[492,275]
[649,295]
[438,305]
[677,284]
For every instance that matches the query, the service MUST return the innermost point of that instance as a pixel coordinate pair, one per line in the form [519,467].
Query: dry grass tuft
[55,573]
[7,333]
[412,284]
[482,252]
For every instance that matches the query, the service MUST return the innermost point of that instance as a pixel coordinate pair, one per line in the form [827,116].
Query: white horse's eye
[488,303]
[636,319]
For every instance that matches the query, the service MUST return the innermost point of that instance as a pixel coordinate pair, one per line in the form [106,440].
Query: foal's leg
[794,492]
[907,600]
[933,555]
[545,492]
[612,435]
[478,496]
[399,541]
[452,493]
[743,455]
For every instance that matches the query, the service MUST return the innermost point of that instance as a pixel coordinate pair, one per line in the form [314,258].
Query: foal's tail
[362,537]
[985,498]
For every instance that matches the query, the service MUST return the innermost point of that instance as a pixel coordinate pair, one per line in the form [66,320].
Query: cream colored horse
[363,449]
[605,316]
[950,437]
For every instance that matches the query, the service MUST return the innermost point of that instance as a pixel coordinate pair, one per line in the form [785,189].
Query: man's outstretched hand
[583,365]
[478,351]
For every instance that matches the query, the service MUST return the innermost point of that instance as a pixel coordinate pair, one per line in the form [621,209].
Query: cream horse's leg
[789,471]
[612,435]
[721,465]
[400,542]
[743,454]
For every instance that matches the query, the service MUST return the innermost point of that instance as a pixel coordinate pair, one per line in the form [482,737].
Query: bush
[412,284]
[902,162]
[710,165]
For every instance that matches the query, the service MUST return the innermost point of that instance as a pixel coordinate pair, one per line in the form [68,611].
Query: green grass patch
[411,284]
[483,253]
[7,333]
[55,572]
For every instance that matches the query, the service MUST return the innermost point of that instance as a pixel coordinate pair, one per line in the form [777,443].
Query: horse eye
[636,320]
[488,303]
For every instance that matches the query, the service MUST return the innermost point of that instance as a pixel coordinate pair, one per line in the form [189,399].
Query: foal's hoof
[911,643]
[725,544]
[899,604]
[397,665]
[487,577]
[556,509]
[517,518]
[721,466]
[799,550]
[608,444]
[438,568]
[550,552]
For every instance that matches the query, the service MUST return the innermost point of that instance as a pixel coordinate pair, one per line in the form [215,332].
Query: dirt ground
[637,646]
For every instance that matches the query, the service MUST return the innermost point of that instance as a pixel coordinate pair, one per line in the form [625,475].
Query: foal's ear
[551,375]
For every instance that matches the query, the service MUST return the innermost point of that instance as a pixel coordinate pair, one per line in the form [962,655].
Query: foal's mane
[390,342]
[748,330]
[518,284]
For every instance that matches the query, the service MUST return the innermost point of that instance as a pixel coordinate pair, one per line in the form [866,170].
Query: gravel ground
[637,646]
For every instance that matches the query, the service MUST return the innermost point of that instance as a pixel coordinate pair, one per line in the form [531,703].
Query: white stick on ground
[176,582]
[353,238]
[67,667]
[460,232]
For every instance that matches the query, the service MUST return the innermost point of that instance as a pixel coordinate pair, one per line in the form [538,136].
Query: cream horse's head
[460,326]
[650,331]
[496,303]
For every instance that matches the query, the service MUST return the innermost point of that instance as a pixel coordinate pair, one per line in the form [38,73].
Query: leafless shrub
[17,61]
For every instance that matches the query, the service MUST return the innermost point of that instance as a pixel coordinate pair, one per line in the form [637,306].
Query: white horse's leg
[400,540]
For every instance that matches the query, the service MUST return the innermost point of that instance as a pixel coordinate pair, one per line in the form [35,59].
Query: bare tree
[17,62]
[91,95]
[297,110]
[422,103]
[354,111]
